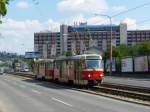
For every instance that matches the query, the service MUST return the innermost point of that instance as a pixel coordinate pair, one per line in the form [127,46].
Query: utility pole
[110,49]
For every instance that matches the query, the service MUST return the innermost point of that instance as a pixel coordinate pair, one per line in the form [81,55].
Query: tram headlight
[89,75]
[101,75]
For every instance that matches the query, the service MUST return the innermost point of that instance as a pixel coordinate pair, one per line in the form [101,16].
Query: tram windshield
[93,64]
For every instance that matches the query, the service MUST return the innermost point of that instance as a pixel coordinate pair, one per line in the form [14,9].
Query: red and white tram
[86,69]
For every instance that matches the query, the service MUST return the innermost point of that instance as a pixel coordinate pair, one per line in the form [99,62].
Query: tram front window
[93,64]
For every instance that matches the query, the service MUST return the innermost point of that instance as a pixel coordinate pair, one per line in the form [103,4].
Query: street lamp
[110,49]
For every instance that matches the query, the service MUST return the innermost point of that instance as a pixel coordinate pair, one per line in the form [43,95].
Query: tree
[3,9]
[124,51]
[144,48]
[67,53]
[29,62]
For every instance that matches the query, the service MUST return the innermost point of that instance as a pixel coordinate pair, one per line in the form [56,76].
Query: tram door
[57,70]
[36,69]
[78,68]
[64,70]
[71,70]
[49,70]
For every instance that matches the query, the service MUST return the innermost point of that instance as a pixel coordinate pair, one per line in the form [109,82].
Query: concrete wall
[63,37]
[123,33]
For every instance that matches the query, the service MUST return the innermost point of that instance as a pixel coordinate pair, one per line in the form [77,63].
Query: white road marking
[6,79]
[35,91]
[61,102]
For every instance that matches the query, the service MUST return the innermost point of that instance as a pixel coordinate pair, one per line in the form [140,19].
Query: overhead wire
[131,9]
[36,3]
[140,22]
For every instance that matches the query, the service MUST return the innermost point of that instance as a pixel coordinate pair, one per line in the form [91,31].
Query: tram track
[121,92]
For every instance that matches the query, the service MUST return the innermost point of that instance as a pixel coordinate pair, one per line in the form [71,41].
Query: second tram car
[43,69]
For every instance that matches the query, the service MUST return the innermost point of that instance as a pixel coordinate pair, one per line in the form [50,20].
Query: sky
[25,17]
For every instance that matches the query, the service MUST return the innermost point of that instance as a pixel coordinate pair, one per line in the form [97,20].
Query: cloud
[18,36]
[95,20]
[82,10]
[23,5]
[82,6]
[98,20]
[53,26]
[131,23]
[145,27]
[90,21]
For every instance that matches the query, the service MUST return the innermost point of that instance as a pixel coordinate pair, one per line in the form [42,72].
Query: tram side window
[50,65]
[78,68]
[57,65]
[102,64]
[64,65]
[79,64]
[42,65]
[70,63]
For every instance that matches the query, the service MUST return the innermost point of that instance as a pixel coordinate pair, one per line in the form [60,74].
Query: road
[27,95]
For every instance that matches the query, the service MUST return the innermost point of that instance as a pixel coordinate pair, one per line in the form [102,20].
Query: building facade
[79,38]
[47,43]
[137,36]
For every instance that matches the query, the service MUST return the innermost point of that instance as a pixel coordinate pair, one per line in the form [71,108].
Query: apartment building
[47,43]
[137,36]
[79,38]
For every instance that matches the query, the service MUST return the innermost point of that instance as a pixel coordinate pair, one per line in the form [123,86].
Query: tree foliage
[3,9]
[144,48]
[124,50]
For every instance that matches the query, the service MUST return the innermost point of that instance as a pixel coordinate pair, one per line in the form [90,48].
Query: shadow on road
[48,84]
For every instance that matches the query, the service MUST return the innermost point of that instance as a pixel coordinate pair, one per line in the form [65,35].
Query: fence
[139,64]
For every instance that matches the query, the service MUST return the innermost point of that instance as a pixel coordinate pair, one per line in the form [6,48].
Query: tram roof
[44,60]
[77,57]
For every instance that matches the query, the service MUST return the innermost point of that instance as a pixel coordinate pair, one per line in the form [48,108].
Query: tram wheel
[70,82]
[90,83]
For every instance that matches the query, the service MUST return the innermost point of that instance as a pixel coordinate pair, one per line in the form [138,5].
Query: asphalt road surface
[27,95]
